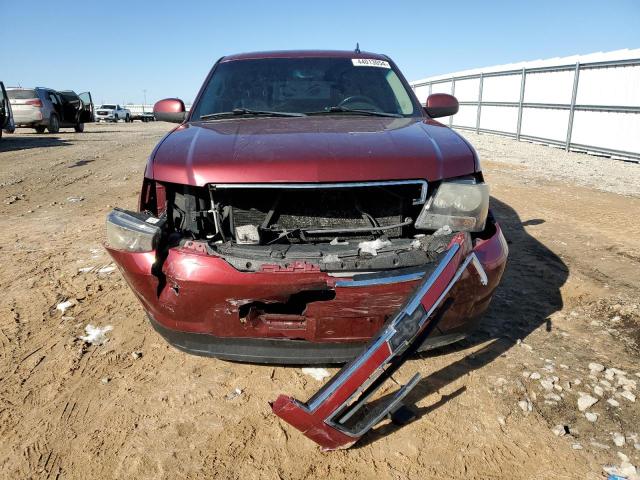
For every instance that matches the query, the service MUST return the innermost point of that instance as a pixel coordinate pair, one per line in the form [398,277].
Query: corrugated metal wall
[586,103]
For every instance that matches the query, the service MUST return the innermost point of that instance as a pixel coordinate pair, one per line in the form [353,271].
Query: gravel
[602,173]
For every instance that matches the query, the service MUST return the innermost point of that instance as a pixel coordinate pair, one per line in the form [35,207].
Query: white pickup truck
[112,113]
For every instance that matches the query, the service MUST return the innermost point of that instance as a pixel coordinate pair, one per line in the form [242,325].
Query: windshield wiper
[247,111]
[339,109]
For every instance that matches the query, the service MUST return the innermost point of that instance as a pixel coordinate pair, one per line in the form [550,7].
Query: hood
[310,149]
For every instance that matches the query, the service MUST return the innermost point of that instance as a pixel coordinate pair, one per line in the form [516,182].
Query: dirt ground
[570,296]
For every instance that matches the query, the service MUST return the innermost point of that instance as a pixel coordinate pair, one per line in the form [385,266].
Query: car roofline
[303,54]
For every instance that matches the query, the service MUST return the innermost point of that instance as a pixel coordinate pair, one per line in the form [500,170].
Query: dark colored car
[6,115]
[43,108]
[299,204]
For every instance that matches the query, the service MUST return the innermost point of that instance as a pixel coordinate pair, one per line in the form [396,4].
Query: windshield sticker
[369,62]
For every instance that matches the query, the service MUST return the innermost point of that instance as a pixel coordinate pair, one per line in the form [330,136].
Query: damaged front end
[298,273]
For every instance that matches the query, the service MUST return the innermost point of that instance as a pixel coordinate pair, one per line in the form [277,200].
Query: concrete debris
[75,199]
[371,247]
[613,402]
[596,367]
[502,421]
[618,439]
[95,335]
[535,376]
[585,401]
[622,457]
[576,446]
[592,417]
[608,374]
[105,380]
[85,269]
[64,306]
[318,373]
[627,382]
[525,405]
[553,397]
[236,393]
[601,446]
[559,430]
[628,395]
[136,355]
[598,390]
[547,384]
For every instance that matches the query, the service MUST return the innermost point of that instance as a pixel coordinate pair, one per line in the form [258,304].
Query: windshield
[22,94]
[108,107]
[304,85]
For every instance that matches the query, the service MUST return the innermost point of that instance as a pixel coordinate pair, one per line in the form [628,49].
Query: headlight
[461,204]
[132,232]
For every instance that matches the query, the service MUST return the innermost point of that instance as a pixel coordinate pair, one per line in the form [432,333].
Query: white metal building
[583,102]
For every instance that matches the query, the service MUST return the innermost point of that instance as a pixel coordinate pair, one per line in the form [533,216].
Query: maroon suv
[299,204]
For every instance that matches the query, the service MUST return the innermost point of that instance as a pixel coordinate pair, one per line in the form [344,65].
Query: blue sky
[117,48]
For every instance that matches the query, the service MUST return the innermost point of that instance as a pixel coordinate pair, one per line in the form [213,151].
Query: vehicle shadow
[528,294]
[9,143]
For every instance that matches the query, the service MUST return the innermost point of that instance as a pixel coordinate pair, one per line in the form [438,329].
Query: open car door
[87,114]
[6,115]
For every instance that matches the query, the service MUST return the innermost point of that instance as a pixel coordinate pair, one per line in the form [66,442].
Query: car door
[4,109]
[71,107]
[87,114]
[56,102]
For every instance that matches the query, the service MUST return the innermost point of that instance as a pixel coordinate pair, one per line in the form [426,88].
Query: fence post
[453,92]
[479,104]
[574,94]
[522,85]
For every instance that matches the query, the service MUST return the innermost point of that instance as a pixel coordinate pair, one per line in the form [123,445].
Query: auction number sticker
[370,62]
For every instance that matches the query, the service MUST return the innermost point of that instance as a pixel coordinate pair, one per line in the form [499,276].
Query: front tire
[115,118]
[54,124]
[128,119]
[79,127]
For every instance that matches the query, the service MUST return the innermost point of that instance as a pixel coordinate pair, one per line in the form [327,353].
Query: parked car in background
[44,108]
[6,115]
[110,112]
[143,117]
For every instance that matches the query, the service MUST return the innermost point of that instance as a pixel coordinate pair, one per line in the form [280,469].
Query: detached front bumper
[198,303]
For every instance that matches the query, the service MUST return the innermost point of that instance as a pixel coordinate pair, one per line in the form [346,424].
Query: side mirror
[170,110]
[441,105]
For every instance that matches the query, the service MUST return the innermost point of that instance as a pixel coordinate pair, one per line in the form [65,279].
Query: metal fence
[534,113]
[142,108]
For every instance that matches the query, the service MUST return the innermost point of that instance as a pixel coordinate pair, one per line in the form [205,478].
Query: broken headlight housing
[132,232]
[462,204]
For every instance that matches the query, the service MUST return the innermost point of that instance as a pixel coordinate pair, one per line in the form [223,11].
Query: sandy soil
[70,410]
